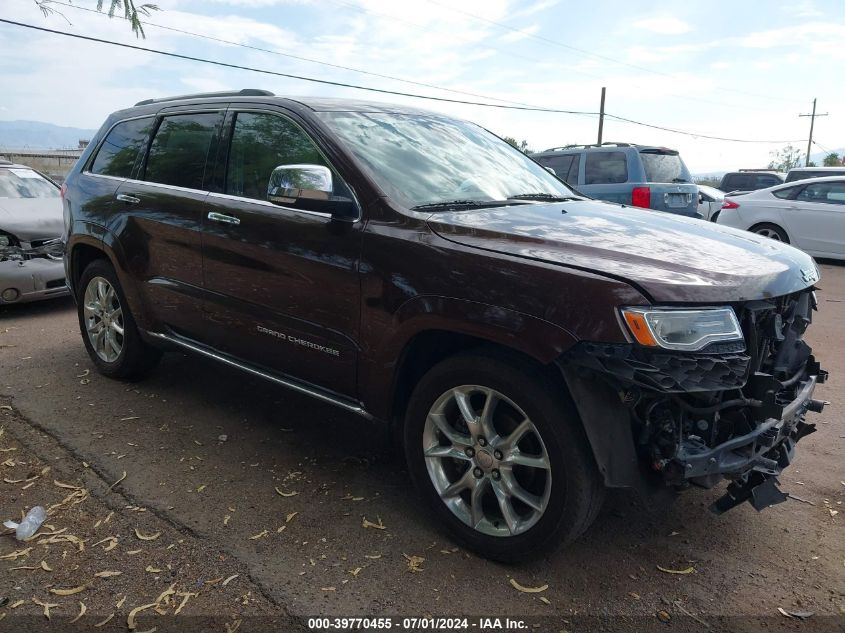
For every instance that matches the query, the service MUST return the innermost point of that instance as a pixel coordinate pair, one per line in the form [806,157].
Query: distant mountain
[38,135]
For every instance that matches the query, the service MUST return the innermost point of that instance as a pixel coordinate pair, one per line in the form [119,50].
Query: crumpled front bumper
[32,279]
[767,449]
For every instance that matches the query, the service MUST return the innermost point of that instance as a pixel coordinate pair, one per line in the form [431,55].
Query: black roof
[316,104]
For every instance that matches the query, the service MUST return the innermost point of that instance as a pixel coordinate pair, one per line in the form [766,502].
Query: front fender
[529,335]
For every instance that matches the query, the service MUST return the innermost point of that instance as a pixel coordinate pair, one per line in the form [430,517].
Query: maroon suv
[531,347]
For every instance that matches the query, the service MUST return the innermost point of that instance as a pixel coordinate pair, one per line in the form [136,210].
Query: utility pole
[601,113]
[812,122]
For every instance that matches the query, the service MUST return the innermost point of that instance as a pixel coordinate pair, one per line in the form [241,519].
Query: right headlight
[7,240]
[682,329]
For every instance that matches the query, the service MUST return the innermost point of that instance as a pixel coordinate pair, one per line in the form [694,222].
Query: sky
[737,69]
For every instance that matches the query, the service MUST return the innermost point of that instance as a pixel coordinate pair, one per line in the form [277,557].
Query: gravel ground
[314,512]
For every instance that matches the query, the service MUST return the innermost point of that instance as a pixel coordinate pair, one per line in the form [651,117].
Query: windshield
[424,159]
[20,182]
[664,167]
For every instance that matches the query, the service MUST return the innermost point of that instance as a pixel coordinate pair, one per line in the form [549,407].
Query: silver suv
[637,175]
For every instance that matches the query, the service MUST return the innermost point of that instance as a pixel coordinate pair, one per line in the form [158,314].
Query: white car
[809,214]
[710,202]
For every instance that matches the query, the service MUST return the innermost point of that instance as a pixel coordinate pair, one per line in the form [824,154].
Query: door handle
[225,219]
[127,198]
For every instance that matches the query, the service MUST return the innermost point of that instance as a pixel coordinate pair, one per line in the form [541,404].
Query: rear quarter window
[733,182]
[663,167]
[603,168]
[121,148]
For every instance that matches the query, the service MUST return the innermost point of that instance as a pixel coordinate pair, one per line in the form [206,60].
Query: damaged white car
[30,236]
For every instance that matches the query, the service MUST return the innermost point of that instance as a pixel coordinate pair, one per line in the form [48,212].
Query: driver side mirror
[311,188]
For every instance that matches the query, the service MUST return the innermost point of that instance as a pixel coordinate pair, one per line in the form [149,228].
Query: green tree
[786,158]
[832,160]
[131,12]
[522,146]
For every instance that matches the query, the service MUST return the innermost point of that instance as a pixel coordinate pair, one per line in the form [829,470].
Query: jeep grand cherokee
[529,346]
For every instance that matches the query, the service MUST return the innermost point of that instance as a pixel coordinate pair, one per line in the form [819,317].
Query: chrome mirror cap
[288,183]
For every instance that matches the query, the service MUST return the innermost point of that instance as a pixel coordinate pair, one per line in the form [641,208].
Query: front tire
[108,329]
[497,451]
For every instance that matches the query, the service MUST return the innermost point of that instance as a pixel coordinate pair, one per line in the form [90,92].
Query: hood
[670,258]
[31,219]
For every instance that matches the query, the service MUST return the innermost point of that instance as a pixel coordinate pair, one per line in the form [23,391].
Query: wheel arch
[90,242]
[427,330]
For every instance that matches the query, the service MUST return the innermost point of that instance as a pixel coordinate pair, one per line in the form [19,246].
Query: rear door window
[122,147]
[180,149]
[829,192]
[664,167]
[603,168]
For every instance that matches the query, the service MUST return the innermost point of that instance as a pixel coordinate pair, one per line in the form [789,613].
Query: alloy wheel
[487,461]
[103,319]
[770,233]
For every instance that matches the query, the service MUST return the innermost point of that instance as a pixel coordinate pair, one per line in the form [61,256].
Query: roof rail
[769,169]
[246,92]
[609,143]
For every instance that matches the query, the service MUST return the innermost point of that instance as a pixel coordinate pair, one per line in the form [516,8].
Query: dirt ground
[278,495]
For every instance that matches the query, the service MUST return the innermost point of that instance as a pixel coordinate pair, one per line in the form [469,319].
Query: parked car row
[754,179]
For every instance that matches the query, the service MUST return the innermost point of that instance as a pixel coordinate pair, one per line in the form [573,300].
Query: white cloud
[802,9]
[257,4]
[663,25]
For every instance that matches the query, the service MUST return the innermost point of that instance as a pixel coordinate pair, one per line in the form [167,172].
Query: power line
[695,134]
[368,88]
[288,75]
[587,53]
[296,57]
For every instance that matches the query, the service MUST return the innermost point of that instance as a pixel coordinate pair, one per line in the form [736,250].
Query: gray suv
[638,175]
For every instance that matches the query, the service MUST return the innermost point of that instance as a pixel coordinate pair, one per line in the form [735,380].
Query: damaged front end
[31,270]
[732,410]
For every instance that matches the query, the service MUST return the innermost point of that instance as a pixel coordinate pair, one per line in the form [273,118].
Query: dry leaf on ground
[525,589]
[146,537]
[375,526]
[665,570]
[414,562]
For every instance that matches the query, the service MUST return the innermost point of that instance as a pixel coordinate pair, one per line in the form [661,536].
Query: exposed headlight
[688,330]
[5,241]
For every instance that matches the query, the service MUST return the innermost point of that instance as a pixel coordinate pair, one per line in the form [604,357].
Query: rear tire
[772,231]
[508,497]
[108,329]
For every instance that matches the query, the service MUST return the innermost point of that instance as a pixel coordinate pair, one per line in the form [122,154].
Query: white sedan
[809,214]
